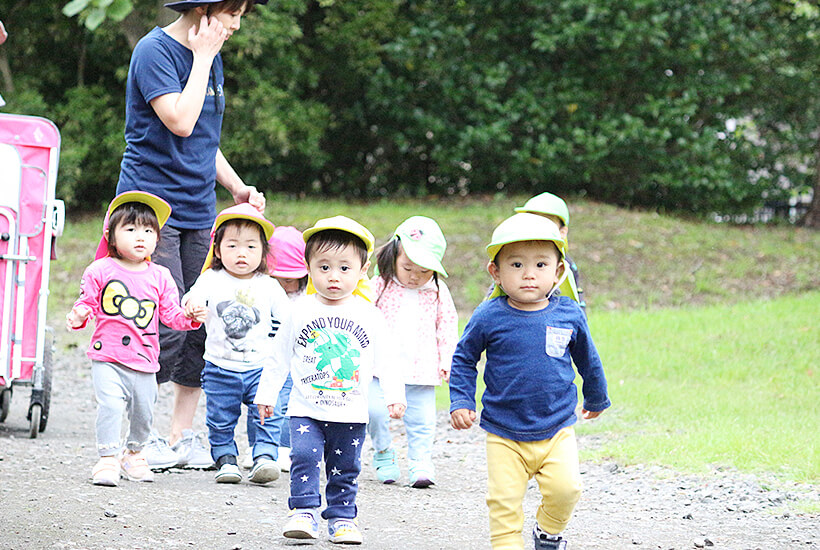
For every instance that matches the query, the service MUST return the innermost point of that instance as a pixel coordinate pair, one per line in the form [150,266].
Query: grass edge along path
[719,386]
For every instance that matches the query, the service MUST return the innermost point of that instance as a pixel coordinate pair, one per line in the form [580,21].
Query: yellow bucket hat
[161,209]
[343,223]
[528,227]
[242,211]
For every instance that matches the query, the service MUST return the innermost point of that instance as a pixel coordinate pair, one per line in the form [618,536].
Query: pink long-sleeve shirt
[425,326]
[127,307]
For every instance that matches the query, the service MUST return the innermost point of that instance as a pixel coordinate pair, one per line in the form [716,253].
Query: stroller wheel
[5,403]
[34,425]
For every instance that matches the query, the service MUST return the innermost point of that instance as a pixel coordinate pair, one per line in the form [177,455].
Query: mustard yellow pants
[511,464]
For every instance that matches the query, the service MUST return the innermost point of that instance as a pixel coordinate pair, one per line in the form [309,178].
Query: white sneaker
[284,459]
[302,524]
[159,454]
[264,471]
[247,459]
[192,451]
[228,471]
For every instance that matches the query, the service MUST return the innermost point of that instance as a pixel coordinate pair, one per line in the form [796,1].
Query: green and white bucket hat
[423,242]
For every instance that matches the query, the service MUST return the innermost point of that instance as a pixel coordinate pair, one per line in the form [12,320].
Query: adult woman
[174,106]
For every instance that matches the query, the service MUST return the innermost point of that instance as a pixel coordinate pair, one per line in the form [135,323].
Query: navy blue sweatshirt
[530,393]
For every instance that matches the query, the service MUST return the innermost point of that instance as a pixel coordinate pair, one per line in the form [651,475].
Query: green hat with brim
[423,243]
[547,204]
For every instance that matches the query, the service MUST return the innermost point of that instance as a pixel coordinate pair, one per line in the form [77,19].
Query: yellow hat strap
[362,289]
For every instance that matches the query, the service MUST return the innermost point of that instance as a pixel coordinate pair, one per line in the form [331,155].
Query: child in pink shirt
[127,295]
[420,312]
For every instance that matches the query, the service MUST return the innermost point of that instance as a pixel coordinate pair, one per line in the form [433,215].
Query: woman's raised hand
[208,38]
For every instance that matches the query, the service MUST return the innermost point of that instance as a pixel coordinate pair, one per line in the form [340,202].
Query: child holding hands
[420,312]
[127,295]
[331,345]
[245,308]
[531,338]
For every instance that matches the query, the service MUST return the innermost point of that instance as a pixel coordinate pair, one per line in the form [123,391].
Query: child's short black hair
[334,239]
[127,213]
[239,223]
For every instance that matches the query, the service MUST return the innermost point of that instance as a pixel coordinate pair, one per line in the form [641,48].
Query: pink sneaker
[134,467]
[106,472]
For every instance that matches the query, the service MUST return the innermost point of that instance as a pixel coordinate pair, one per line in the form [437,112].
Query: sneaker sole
[265,474]
[104,482]
[300,535]
[228,478]
[422,483]
[162,466]
[148,478]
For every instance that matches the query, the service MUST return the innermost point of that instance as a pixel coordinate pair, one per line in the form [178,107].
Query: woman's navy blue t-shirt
[180,170]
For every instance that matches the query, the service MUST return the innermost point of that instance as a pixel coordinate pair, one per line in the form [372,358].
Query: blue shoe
[386,468]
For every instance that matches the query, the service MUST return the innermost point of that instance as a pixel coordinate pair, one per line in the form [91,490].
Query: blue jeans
[419,422]
[225,392]
[340,445]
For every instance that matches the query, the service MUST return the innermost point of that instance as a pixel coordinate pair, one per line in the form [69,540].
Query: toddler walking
[245,307]
[331,345]
[531,338]
[127,295]
[419,310]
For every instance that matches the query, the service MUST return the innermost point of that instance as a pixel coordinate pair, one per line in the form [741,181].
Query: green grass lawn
[699,373]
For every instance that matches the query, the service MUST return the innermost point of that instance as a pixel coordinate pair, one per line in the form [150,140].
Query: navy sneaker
[545,541]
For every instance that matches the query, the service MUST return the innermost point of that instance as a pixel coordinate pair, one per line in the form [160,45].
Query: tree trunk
[5,71]
[812,217]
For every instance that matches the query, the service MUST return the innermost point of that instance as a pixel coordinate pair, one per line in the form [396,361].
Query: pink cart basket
[30,220]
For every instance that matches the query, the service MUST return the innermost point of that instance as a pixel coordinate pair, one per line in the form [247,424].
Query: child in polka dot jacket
[420,312]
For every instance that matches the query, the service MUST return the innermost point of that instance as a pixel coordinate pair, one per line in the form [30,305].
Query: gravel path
[47,500]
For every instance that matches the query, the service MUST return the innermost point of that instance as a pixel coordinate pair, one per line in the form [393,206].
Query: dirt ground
[47,500]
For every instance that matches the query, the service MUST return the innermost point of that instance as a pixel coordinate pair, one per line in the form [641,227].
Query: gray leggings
[119,389]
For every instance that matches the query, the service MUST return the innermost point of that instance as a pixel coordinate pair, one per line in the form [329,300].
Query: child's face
[240,250]
[335,274]
[409,274]
[135,242]
[290,286]
[527,271]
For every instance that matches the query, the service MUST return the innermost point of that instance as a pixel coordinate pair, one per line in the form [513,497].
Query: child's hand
[589,415]
[76,317]
[444,375]
[396,410]
[462,419]
[265,411]
[196,312]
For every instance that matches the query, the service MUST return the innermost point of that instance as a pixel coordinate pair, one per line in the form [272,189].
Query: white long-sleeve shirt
[331,352]
[243,317]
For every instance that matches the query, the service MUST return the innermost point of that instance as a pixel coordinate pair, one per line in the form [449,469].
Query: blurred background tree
[705,107]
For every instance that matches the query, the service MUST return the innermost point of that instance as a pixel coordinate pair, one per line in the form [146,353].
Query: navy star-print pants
[340,446]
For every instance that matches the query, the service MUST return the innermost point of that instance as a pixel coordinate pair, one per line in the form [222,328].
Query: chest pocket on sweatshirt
[557,341]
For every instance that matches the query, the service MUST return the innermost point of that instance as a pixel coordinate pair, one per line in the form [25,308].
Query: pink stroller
[30,220]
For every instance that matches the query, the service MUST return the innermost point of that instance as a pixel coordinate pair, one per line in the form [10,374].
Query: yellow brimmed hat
[161,209]
[525,227]
[343,223]
[243,211]
[549,204]
[530,227]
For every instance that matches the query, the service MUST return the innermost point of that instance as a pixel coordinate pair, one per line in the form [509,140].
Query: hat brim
[267,229]
[161,208]
[191,4]
[494,248]
[347,225]
[288,274]
[422,257]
